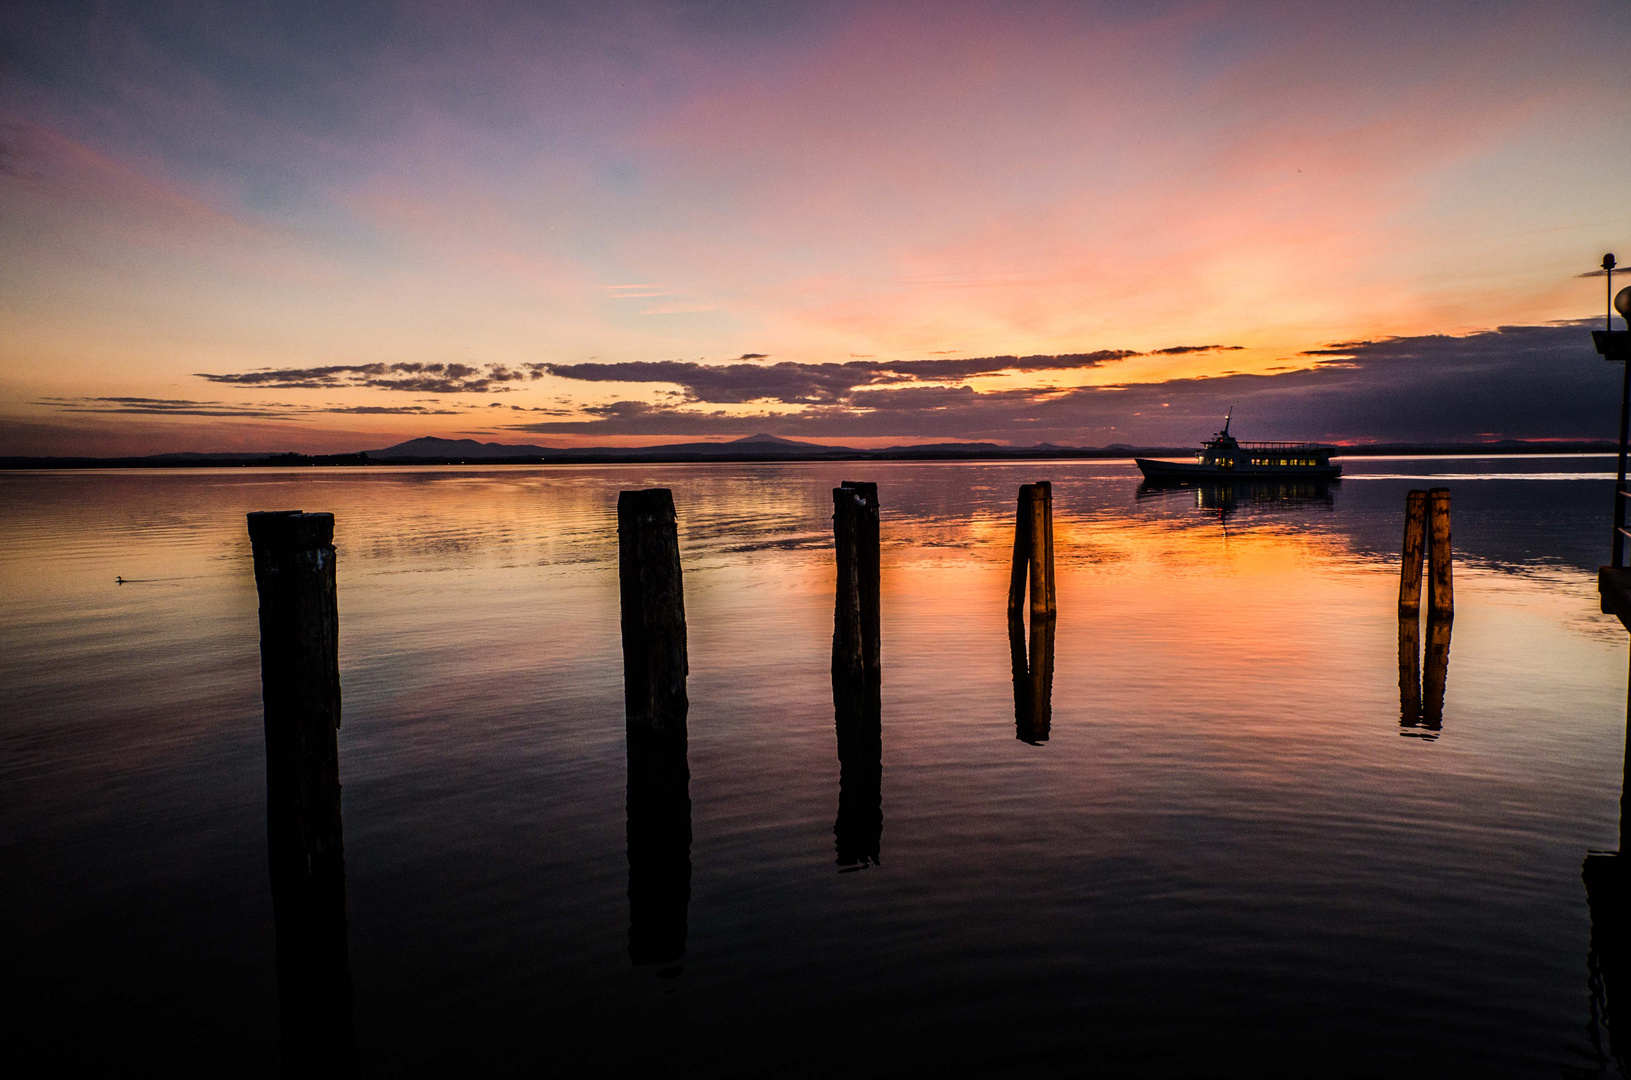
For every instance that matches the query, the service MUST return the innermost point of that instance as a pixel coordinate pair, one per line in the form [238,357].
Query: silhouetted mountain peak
[432,447]
[775,440]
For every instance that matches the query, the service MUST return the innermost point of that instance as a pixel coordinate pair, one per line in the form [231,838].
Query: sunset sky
[331,227]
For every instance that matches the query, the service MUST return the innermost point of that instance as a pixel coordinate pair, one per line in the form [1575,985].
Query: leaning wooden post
[1042,603]
[1415,544]
[654,658]
[300,689]
[1022,552]
[868,582]
[1440,586]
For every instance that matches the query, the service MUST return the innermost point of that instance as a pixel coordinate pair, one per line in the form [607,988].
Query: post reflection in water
[659,836]
[1421,687]
[1609,901]
[314,974]
[1033,679]
[858,712]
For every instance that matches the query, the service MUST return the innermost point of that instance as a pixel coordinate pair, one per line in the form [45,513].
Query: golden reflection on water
[1222,747]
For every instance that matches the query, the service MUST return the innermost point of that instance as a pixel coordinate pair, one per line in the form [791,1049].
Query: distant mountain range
[750,448]
[470,449]
[433,451]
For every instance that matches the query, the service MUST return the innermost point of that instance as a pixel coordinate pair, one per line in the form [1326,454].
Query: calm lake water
[1229,855]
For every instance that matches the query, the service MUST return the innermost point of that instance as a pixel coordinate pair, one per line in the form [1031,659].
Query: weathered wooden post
[300,690]
[1440,586]
[655,666]
[1415,545]
[868,580]
[848,637]
[856,674]
[1022,551]
[1046,489]
[1043,604]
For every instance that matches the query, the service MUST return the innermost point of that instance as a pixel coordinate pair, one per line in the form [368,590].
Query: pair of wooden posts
[1033,553]
[1427,526]
[1421,686]
[1033,560]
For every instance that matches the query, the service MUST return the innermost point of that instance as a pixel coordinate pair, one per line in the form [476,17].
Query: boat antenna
[1228,417]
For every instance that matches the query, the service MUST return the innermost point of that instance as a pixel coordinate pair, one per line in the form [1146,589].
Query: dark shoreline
[621,456]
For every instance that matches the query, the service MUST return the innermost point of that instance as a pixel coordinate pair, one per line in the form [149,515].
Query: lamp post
[1616,345]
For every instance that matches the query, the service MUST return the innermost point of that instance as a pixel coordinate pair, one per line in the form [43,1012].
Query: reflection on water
[1226,496]
[1033,679]
[1608,963]
[659,846]
[313,969]
[858,713]
[1224,855]
[1421,688]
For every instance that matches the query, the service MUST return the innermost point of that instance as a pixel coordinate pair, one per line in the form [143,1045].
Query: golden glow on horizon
[889,187]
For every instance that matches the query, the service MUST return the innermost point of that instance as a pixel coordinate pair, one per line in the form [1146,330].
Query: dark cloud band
[411,377]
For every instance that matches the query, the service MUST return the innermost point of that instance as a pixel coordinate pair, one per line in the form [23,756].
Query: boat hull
[1190,472]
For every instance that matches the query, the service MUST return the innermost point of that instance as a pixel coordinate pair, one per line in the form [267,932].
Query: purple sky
[331,227]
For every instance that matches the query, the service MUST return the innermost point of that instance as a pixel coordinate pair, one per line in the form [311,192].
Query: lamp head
[1608,262]
[1622,303]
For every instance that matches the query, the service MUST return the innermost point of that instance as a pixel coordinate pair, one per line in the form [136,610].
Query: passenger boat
[1223,457]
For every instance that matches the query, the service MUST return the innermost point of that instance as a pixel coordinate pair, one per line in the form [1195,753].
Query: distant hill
[431,449]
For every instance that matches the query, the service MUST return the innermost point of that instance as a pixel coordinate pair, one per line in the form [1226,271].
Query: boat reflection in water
[1421,688]
[1033,679]
[1226,496]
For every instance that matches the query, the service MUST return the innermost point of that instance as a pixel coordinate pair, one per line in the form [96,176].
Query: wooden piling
[848,648]
[1022,551]
[655,664]
[300,690]
[1045,488]
[868,580]
[1043,605]
[856,667]
[1415,544]
[1440,586]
